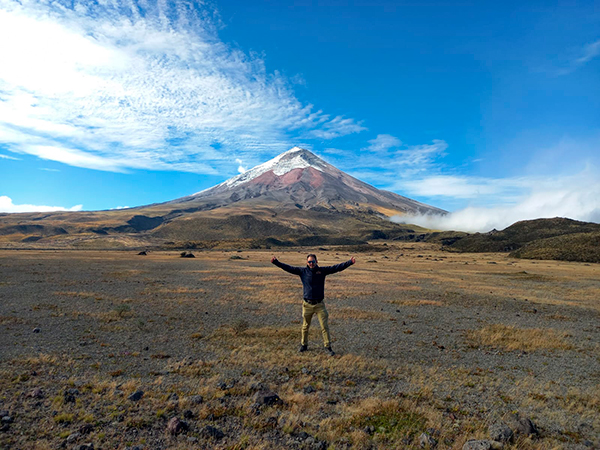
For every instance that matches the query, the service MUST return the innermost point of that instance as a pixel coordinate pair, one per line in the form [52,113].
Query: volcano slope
[427,342]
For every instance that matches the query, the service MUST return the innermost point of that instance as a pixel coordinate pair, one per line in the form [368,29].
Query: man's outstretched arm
[291,269]
[339,267]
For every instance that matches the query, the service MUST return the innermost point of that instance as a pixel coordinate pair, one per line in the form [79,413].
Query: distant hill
[584,247]
[556,238]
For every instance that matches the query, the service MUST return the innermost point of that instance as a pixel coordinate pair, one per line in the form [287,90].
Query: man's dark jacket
[313,279]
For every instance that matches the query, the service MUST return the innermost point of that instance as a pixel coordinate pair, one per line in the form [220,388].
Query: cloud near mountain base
[576,199]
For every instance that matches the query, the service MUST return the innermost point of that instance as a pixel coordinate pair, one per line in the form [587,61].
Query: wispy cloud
[126,85]
[582,57]
[590,51]
[8,157]
[7,206]
[383,143]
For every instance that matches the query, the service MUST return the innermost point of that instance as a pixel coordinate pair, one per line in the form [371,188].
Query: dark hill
[583,247]
[521,233]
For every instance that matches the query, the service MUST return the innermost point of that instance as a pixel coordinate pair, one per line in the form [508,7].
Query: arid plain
[427,341]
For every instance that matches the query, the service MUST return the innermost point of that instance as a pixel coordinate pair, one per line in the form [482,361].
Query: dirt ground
[427,342]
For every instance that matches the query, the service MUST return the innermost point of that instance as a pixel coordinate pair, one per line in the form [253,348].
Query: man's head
[311,260]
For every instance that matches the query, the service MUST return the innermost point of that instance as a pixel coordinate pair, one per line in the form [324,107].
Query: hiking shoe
[329,351]
[303,348]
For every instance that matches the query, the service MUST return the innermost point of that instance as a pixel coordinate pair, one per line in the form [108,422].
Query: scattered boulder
[88,446]
[500,432]
[267,398]
[196,399]
[188,414]
[36,393]
[4,412]
[187,255]
[521,425]
[477,445]
[6,419]
[137,395]
[427,441]
[177,426]
[142,253]
[73,437]
[86,429]
[37,330]
[308,389]
[212,432]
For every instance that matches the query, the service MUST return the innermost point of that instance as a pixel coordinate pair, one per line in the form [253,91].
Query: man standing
[313,281]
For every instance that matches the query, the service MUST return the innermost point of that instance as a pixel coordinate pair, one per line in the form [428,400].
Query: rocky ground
[119,350]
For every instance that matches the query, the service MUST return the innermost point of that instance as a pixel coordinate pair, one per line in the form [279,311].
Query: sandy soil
[453,342]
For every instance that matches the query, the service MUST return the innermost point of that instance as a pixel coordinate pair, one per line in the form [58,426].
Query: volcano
[300,179]
[296,198]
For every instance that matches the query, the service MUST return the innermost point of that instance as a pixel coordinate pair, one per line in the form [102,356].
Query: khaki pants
[307,312]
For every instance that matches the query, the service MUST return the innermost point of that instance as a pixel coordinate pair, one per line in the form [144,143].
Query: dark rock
[212,432]
[267,398]
[427,441]
[86,429]
[36,393]
[7,419]
[177,426]
[477,445]
[73,437]
[303,435]
[4,412]
[137,395]
[142,253]
[187,255]
[72,392]
[500,432]
[4,428]
[308,389]
[196,399]
[521,425]
[173,397]
[188,414]
[36,330]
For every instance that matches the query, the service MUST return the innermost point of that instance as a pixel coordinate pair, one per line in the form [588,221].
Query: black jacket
[313,280]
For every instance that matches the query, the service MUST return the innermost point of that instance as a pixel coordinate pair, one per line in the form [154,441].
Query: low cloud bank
[580,202]
[7,206]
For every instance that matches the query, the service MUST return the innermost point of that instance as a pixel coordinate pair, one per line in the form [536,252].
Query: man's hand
[353,260]
[273,259]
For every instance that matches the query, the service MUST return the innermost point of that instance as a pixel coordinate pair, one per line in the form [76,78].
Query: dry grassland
[426,342]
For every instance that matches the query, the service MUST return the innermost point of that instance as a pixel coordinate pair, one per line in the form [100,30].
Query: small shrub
[239,326]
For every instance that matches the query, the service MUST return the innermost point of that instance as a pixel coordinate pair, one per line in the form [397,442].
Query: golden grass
[347,313]
[511,338]
[410,302]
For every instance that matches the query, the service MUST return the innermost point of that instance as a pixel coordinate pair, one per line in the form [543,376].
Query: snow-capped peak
[296,158]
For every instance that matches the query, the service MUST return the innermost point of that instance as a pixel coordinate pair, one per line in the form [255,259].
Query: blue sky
[490,110]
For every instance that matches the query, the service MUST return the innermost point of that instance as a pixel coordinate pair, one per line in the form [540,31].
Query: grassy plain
[426,341]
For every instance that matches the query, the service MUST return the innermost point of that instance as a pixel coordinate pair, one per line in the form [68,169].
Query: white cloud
[382,143]
[122,85]
[576,197]
[7,206]
[241,168]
